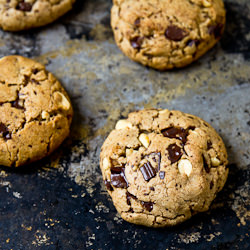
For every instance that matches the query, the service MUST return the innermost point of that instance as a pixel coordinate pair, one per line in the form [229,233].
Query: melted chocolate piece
[205,164]
[129,197]
[175,33]
[35,71]
[118,178]
[148,205]
[162,175]
[216,30]
[136,42]
[137,22]
[191,127]
[23,6]
[174,152]
[178,133]
[148,171]
[4,132]
[108,185]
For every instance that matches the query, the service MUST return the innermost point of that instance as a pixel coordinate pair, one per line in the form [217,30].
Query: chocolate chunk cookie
[167,34]
[18,15]
[161,167]
[35,110]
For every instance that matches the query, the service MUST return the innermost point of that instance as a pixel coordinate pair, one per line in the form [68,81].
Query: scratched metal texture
[60,202]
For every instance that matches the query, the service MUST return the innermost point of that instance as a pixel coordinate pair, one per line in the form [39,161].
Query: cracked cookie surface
[36,112]
[161,167]
[18,15]
[166,34]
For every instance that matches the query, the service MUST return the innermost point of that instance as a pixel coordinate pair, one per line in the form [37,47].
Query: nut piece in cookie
[167,34]
[158,166]
[35,110]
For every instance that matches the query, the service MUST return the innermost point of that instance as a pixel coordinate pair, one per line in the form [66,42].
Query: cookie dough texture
[161,167]
[16,15]
[166,34]
[35,110]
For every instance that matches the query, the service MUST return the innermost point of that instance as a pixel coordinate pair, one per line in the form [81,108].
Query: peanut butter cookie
[35,110]
[161,167]
[18,15]
[165,34]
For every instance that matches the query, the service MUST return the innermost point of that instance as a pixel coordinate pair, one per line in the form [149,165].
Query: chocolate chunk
[205,164]
[108,185]
[191,128]
[148,171]
[129,197]
[147,205]
[209,145]
[216,30]
[118,178]
[23,6]
[137,22]
[136,42]
[174,152]
[211,184]
[162,175]
[4,132]
[35,71]
[175,33]
[152,188]
[178,133]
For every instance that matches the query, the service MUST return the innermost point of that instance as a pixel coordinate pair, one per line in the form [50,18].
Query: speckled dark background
[61,202]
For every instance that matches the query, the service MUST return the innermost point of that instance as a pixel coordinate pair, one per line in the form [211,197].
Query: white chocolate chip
[106,163]
[63,101]
[206,3]
[45,115]
[143,138]
[185,167]
[123,124]
[215,161]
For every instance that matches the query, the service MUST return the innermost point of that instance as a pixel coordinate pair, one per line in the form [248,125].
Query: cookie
[167,34]
[35,110]
[161,167]
[16,15]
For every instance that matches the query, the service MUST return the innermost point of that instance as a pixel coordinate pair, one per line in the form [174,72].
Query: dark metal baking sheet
[61,202]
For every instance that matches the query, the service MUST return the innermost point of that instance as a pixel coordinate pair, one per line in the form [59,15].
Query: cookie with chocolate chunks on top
[167,34]
[16,15]
[36,112]
[161,167]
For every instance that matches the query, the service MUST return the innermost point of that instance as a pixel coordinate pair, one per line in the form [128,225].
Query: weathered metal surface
[61,202]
